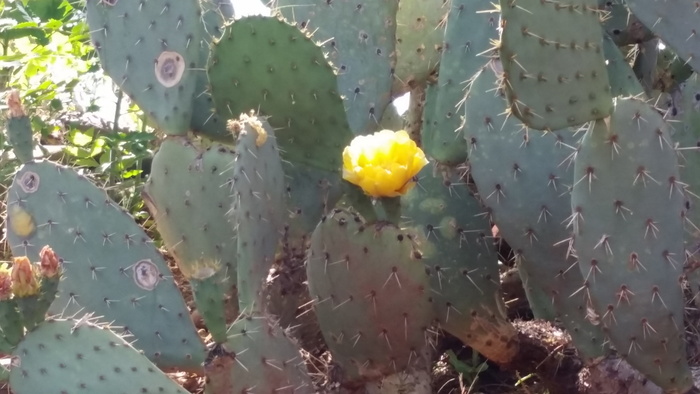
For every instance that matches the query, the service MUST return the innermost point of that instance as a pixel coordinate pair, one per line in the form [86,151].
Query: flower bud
[50,262]
[24,278]
[5,282]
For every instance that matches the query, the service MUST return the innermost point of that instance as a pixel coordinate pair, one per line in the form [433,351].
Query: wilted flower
[383,164]
[50,263]
[24,278]
[5,282]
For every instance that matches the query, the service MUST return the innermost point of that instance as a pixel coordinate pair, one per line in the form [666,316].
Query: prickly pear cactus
[675,21]
[258,356]
[686,134]
[258,207]
[147,48]
[450,226]
[623,81]
[359,40]
[372,295]
[110,264]
[570,87]
[631,251]
[65,356]
[527,194]
[19,129]
[266,64]
[623,26]
[420,27]
[189,193]
[468,34]
[205,119]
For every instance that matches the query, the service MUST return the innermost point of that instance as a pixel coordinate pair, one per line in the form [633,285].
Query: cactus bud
[24,278]
[50,262]
[5,283]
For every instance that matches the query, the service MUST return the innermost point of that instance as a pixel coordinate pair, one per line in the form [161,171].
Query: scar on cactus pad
[383,164]
[146,275]
[22,222]
[169,68]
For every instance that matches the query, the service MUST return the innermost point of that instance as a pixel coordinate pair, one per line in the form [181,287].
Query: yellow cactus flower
[383,164]
[24,278]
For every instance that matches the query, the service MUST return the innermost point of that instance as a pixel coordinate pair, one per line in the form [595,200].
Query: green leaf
[80,138]
[132,173]
[47,9]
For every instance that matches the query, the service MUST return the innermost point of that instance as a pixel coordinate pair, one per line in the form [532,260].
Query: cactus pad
[630,251]
[111,266]
[675,22]
[147,48]
[67,356]
[205,119]
[260,357]
[258,210]
[528,196]
[468,35]
[451,228]
[359,40]
[553,60]
[189,193]
[267,65]
[371,295]
[420,28]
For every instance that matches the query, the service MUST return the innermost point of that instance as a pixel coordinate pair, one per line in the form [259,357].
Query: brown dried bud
[24,278]
[50,262]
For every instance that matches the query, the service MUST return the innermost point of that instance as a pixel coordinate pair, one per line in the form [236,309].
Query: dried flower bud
[24,278]
[14,104]
[5,282]
[50,262]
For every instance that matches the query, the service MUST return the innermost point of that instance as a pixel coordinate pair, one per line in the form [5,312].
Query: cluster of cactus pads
[571,125]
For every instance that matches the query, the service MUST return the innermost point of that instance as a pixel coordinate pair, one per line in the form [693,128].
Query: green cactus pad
[372,295]
[645,64]
[310,193]
[258,211]
[111,266]
[67,356]
[670,70]
[19,129]
[553,60]
[148,49]
[10,325]
[259,357]
[623,26]
[33,308]
[359,39]
[267,65]
[391,120]
[685,108]
[675,22]
[630,250]
[420,28]
[451,228]
[205,120]
[189,193]
[527,193]
[623,81]
[468,37]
